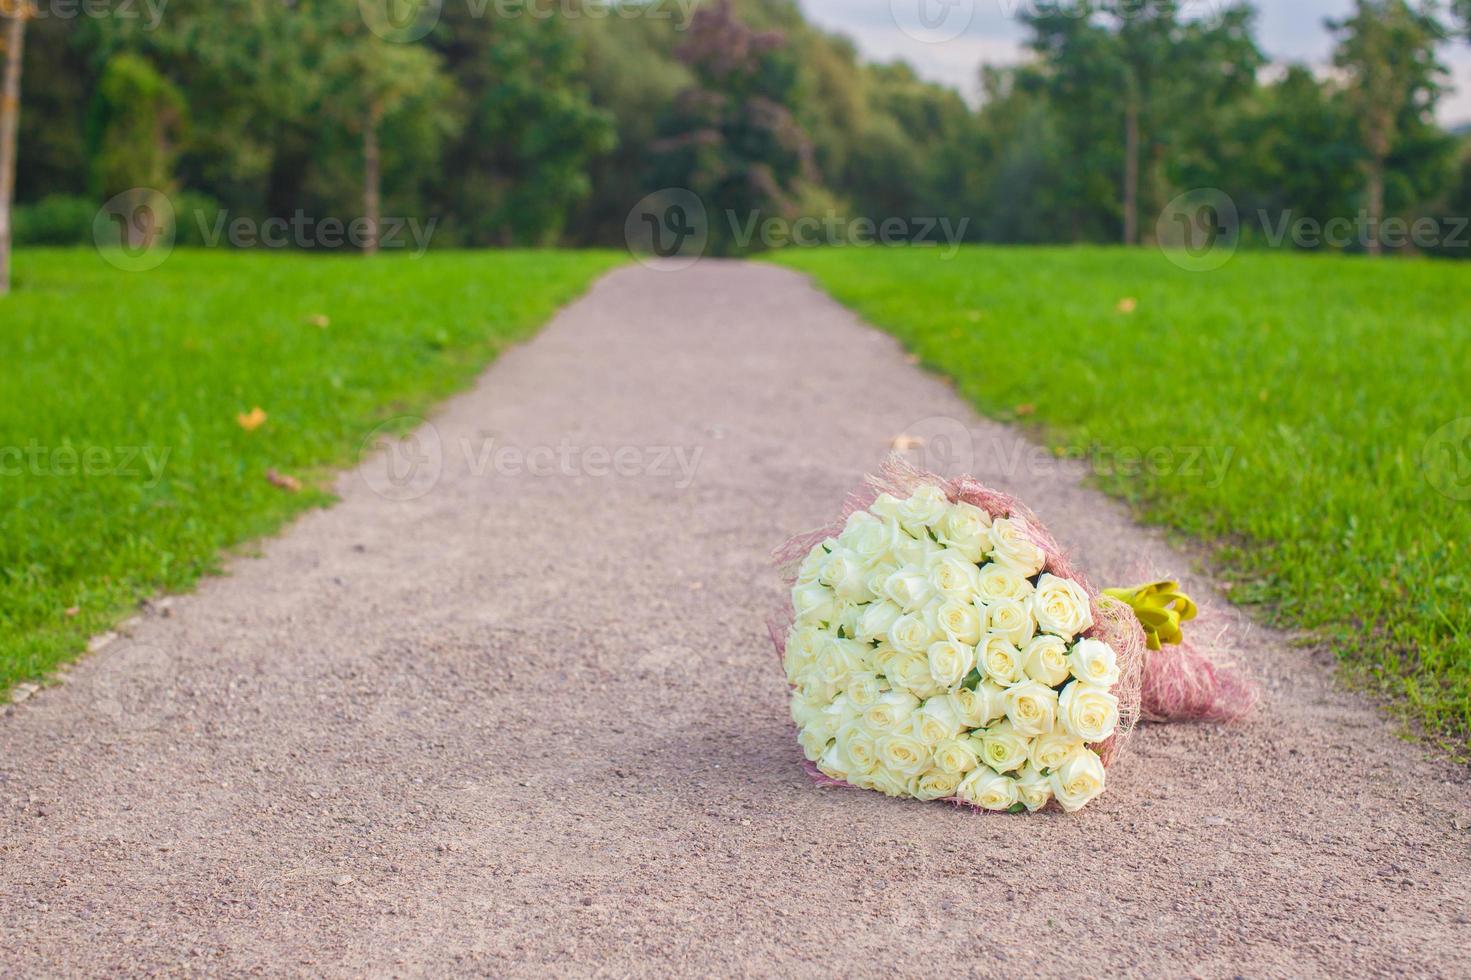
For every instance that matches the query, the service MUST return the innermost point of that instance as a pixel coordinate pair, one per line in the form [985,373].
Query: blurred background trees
[548,129]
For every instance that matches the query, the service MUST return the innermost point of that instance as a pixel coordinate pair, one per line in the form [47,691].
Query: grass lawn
[1346,506]
[123,468]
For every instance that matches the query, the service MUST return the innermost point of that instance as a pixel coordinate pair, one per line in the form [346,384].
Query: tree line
[518,129]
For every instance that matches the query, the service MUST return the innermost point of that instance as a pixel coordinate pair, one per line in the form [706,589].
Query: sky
[959,35]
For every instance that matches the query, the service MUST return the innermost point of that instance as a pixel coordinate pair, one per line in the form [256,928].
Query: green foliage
[55,220]
[1321,485]
[124,469]
[136,122]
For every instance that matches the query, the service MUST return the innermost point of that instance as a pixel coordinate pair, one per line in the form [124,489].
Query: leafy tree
[13,17]
[731,137]
[1388,50]
[137,119]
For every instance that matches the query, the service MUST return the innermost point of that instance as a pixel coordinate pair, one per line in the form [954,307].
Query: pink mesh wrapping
[1182,683]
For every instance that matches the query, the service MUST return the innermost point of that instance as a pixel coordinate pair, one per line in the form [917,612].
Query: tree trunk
[13,18]
[1373,240]
[1131,171]
[372,181]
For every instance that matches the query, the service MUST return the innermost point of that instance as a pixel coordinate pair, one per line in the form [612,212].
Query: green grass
[1323,378]
[123,470]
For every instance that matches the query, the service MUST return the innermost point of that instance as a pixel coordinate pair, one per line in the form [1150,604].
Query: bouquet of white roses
[941,647]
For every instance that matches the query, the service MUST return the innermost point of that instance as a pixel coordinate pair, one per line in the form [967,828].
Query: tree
[731,138]
[137,119]
[1158,75]
[13,17]
[1388,50]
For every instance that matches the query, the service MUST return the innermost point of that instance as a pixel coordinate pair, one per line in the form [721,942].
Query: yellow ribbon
[1161,608]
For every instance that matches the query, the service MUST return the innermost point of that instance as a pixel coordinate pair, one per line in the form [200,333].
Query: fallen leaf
[1027,409]
[906,443]
[72,611]
[288,483]
[252,420]
[320,320]
[911,359]
[1128,304]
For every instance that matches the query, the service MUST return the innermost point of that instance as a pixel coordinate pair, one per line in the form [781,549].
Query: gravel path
[484,720]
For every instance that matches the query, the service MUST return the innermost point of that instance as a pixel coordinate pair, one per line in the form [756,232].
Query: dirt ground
[509,710]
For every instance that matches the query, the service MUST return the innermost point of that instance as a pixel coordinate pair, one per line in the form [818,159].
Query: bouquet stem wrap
[1165,677]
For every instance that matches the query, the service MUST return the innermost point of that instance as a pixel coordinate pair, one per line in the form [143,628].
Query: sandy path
[530,723]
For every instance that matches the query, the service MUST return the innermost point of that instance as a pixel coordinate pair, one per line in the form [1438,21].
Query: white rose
[814,603]
[876,620]
[993,702]
[1089,712]
[814,740]
[1033,789]
[805,710]
[968,708]
[987,790]
[1002,582]
[1061,607]
[814,688]
[950,662]
[1079,781]
[917,552]
[889,713]
[870,538]
[1002,748]
[879,574]
[954,577]
[1010,619]
[863,689]
[886,507]
[913,633]
[846,574]
[1000,660]
[967,529]
[903,754]
[1012,545]
[803,643]
[910,672]
[811,566]
[882,657]
[889,783]
[937,784]
[909,587]
[924,509]
[957,755]
[1031,708]
[935,722]
[1050,752]
[1045,660]
[1094,662]
[860,748]
[834,764]
[838,659]
[960,621]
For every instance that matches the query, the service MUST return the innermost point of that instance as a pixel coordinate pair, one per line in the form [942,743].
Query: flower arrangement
[941,647]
